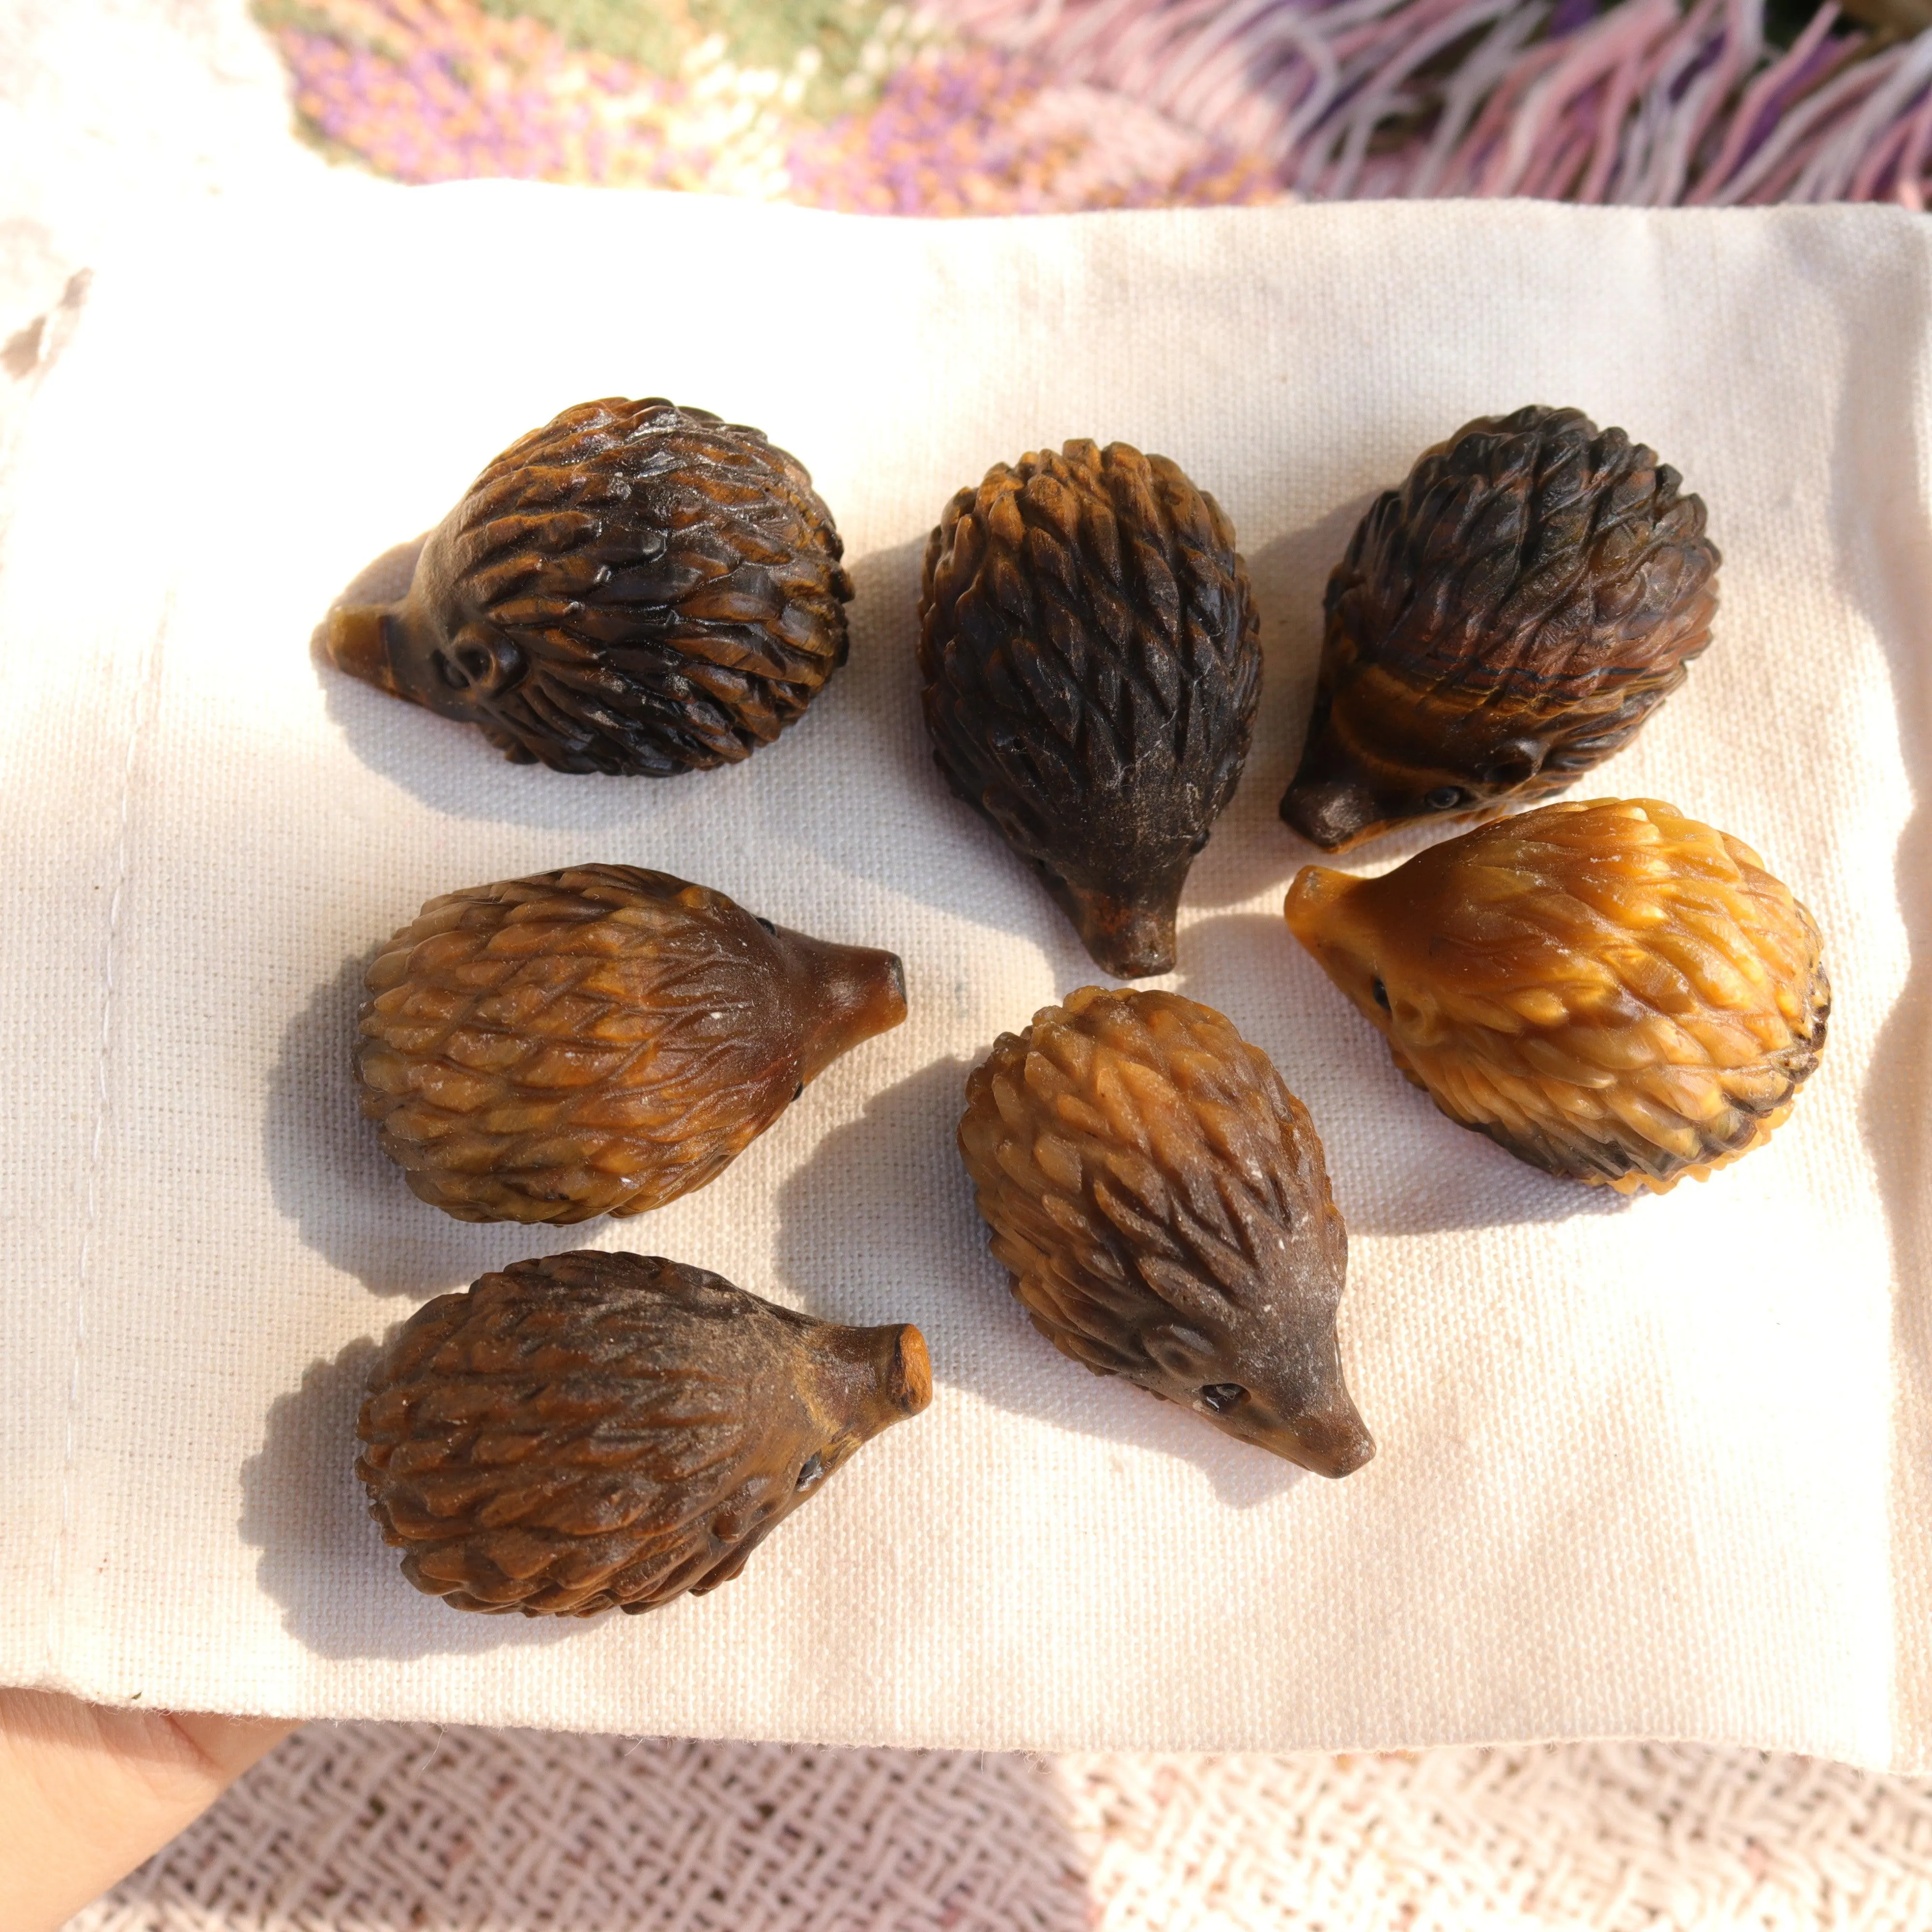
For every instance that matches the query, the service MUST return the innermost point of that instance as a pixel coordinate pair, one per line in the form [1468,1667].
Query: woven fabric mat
[372,1828]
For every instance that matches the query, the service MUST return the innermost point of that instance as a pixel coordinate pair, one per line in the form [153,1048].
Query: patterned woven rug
[1017,106]
[366,1827]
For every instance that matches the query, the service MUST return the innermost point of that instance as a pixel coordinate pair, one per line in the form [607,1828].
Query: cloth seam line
[123,861]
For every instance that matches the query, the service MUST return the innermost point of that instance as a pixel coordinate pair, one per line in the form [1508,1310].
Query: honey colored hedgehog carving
[1160,1198]
[634,588]
[595,1431]
[1089,646]
[1503,622]
[1611,991]
[599,1041]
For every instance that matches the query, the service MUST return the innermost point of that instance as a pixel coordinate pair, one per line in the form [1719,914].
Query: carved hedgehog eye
[798,1090]
[1444,798]
[1381,993]
[766,923]
[810,1471]
[1221,1397]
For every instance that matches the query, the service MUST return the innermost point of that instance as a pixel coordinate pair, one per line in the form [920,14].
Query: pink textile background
[992,106]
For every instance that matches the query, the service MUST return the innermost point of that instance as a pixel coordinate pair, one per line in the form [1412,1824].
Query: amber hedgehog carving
[599,1040]
[635,588]
[1505,620]
[1089,646]
[593,1432]
[1610,990]
[1160,1198]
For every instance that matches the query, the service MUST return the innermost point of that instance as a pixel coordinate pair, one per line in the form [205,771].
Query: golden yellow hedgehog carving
[1610,990]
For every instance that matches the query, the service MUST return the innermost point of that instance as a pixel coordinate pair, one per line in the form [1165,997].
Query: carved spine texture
[635,588]
[1611,991]
[1500,624]
[593,1432]
[599,1041]
[1089,646]
[1160,1199]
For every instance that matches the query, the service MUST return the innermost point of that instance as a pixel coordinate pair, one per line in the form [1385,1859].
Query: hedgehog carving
[1089,647]
[1611,991]
[593,1432]
[1503,622]
[1160,1199]
[599,1041]
[634,588]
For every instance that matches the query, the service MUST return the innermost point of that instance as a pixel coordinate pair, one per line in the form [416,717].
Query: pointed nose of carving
[1335,1443]
[885,1374]
[1332,813]
[849,993]
[355,639]
[1131,941]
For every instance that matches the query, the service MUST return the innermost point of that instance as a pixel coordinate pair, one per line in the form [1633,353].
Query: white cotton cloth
[1657,1469]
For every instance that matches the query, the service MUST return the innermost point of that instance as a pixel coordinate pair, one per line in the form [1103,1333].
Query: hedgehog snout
[883,1375]
[355,639]
[1335,1443]
[849,993]
[1317,909]
[1307,1417]
[1131,942]
[1332,813]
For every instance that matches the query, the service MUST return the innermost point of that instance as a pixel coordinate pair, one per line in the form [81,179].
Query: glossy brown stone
[1500,623]
[1089,646]
[599,1040]
[1161,1201]
[594,1432]
[635,588]
[1608,989]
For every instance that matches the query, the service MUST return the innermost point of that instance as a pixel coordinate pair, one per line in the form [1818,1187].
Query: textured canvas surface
[1644,1471]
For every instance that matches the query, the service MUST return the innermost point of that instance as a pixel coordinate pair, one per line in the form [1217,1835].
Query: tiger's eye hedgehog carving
[1090,650]
[1160,1199]
[633,588]
[1500,624]
[593,1432]
[1611,991]
[599,1041]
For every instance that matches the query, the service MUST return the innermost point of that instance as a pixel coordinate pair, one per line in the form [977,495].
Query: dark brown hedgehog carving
[599,1041]
[595,1431]
[1608,989]
[634,588]
[1089,646]
[1161,1200]
[1500,623]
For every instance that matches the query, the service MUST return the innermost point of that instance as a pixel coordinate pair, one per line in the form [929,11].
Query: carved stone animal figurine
[1160,1199]
[1608,989]
[594,1432]
[1500,623]
[634,588]
[599,1040]
[1089,650]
